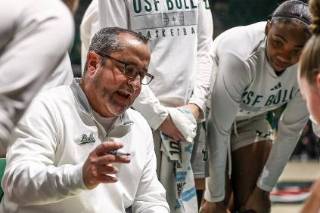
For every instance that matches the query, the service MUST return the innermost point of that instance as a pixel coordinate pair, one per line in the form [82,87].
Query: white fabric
[184,120]
[44,165]
[34,39]
[180,155]
[247,86]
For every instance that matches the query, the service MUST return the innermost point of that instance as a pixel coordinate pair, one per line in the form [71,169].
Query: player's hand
[259,201]
[169,129]
[196,111]
[98,167]
[210,207]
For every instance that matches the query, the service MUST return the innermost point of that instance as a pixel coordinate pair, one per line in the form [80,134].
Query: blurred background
[304,167]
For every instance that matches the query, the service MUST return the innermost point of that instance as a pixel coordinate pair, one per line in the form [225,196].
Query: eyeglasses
[131,71]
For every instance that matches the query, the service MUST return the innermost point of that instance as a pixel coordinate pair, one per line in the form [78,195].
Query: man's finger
[111,158]
[107,169]
[106,147]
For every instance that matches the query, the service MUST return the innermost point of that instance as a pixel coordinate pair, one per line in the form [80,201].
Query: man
[34,39]
[180,38]
[79,148]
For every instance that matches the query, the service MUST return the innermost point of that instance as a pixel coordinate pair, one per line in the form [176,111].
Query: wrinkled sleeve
[100,14]
[290,126]
[232,78]
[31,176]
[33,42]
[201,89]
[151,196]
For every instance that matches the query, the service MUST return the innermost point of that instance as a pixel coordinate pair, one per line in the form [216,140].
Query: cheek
[137,91]
[270,53]
[313,103]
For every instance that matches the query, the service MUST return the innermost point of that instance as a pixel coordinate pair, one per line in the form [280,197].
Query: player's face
[285,41]
[311,93]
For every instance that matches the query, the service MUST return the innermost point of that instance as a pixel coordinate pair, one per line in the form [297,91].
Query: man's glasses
[131,71]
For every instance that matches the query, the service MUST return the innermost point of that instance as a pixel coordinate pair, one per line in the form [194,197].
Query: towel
[179,153]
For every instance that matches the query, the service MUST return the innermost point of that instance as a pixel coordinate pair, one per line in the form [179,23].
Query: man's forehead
[129,40]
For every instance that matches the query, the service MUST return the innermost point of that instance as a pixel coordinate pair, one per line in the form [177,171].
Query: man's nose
[135,83]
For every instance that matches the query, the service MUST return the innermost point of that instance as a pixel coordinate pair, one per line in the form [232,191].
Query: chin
[118,110]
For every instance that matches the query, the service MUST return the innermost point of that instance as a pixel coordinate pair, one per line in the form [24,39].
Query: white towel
[180,155]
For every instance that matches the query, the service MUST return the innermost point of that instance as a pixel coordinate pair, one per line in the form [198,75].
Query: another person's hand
[259,201]
[98,167]
[210,207]
[169,129]
[196,111]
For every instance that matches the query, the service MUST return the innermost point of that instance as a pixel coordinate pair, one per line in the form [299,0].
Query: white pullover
[35,36]
[55,137]
[247,86]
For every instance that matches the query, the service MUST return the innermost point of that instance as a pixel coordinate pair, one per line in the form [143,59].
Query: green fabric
[2,167]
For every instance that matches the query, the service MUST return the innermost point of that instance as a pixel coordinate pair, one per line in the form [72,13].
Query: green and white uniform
[245,89]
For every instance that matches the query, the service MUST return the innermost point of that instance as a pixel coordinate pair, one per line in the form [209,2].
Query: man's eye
[277,43]
[131,71]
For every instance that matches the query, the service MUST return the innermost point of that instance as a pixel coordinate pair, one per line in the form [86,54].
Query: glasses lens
[131,71]
[146,80]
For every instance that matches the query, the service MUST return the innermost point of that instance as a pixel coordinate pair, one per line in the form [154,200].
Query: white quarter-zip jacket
[55,137]
[247,86]
[35,36]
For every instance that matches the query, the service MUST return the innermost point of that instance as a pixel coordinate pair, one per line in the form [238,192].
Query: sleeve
[100,14]
[31,176]
[88,27]
[33,42]
[115,13]
[150,107]
[291,124]
[151,196]
[232,78]
[201,90]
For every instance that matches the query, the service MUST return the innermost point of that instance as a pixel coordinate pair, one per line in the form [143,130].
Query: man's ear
[92,62]
[268,26]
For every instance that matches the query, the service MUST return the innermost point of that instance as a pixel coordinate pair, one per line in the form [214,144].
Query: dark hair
[106,41]
[310,57]
[292,9]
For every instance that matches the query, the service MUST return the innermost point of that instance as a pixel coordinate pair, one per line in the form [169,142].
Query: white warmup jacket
[54,138]
[34,39]
[247,86]
[180,34]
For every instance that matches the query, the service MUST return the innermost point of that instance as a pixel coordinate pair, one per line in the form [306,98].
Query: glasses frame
[125,69]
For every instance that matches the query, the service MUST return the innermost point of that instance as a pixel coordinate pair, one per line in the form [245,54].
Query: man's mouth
[124,94]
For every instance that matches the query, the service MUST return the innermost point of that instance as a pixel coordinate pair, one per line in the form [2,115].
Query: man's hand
[98,167]
[259,201]
[210,207]
[169,129]
[196,111]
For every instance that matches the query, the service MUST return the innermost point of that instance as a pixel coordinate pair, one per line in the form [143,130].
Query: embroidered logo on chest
[87,139]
